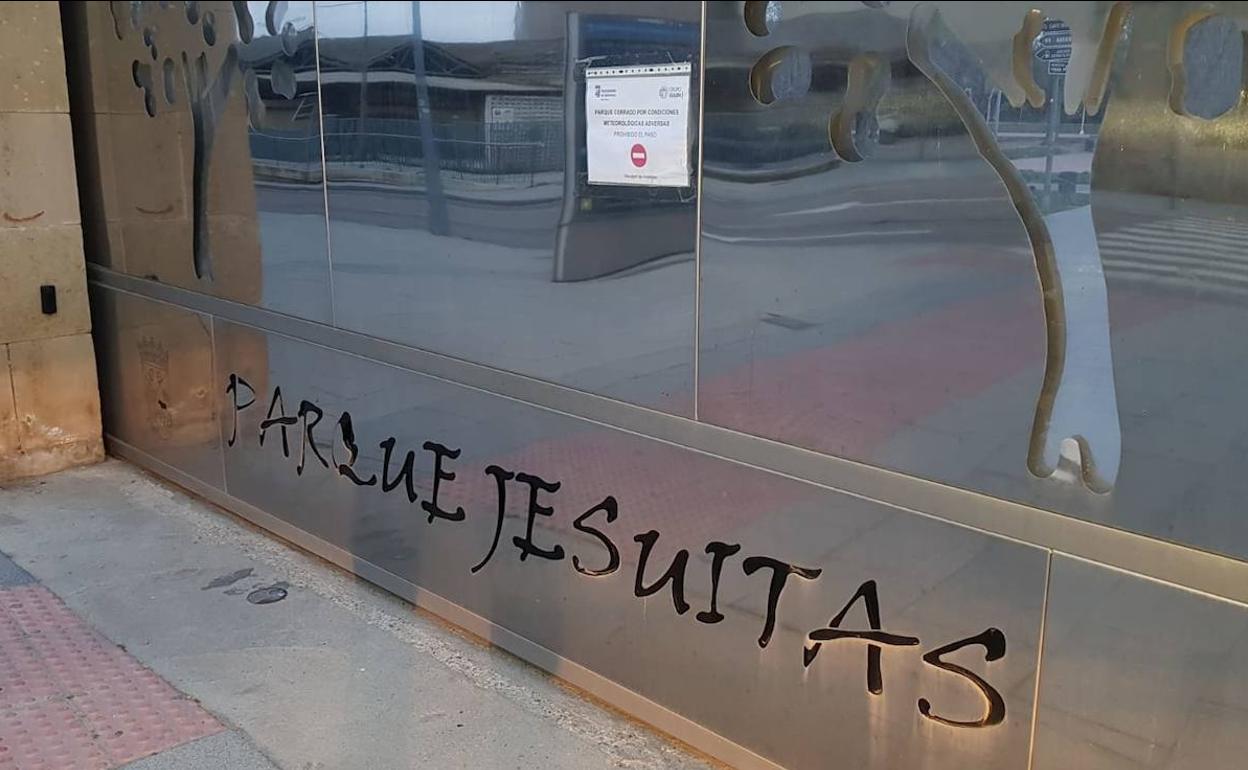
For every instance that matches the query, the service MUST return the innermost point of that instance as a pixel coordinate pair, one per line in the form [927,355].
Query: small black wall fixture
[47,299]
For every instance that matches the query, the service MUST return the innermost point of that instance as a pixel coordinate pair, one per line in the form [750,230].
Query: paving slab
[316,668]
[223,750]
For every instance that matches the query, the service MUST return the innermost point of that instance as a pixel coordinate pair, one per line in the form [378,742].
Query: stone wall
[49,397]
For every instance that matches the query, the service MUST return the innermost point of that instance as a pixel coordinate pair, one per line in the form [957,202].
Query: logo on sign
[638,154]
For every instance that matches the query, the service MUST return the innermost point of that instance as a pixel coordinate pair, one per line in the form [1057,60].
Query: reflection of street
[889,297]
[521,217]
[1182,251]
[896,318]
[898,322]
[1180,376]
[904,199]
[486,293]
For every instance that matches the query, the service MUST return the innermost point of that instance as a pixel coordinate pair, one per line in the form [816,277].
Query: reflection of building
[507,115]
[497,107]
[284,144]
[633,32]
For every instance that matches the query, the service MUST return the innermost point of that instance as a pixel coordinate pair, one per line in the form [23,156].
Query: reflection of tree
[963,75]
[206,82]
[1069,395]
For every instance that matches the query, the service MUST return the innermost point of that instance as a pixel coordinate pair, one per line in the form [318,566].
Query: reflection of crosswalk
[1193,252]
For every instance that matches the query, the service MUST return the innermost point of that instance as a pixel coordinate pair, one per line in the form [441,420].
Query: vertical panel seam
[320,122]
[214,359]
[1035,697]
[697,241]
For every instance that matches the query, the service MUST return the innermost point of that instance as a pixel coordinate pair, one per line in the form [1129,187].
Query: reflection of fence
[749,143]
[287,149]
[513,148]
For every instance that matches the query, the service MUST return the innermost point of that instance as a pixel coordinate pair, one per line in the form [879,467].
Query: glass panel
[989,245]
[448,130]
[202,130]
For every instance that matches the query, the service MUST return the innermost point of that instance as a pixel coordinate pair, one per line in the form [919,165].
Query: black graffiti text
[661,567]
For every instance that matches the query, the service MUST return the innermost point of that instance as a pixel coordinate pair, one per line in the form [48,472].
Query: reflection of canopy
[520,62]
[433,81]
[523,66]
[263,51]
[829,37]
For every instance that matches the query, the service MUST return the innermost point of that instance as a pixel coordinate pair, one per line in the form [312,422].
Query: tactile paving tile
[47,736]
[71,699]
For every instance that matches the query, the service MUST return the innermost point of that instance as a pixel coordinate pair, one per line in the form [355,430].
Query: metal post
[1050,137]
[994,110]
[361,130]
[571,143]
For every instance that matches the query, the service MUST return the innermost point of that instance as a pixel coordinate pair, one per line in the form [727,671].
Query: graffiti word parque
[396,477]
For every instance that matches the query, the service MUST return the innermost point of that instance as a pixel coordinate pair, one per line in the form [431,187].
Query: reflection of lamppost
[993,113]
[1053,47]
[367,62]
[438,222]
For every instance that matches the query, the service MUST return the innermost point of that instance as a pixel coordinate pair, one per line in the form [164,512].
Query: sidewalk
[139,625]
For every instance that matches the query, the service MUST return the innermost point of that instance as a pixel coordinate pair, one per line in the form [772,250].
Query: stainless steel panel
[156,375]
[942,238]
[457,220]
[1139,674]
[1200,570]
[200,148]
[935,582]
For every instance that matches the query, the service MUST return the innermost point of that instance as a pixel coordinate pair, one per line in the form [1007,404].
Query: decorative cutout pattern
[208,88]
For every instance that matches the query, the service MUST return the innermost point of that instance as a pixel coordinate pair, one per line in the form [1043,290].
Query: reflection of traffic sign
[1053,46]
[1054,54]
[638,154]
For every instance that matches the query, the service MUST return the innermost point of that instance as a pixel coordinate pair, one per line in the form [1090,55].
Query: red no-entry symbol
[638,154]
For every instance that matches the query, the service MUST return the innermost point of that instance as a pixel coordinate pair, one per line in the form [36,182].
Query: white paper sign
[637,125]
